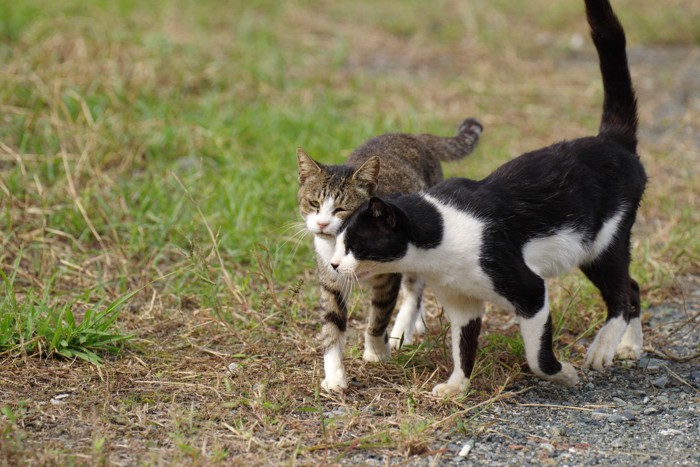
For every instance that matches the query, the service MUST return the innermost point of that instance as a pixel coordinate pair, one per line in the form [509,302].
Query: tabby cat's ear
[307,166]
[382,211]
[367,176]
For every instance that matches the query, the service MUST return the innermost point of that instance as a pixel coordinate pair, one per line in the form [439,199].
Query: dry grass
[152,147]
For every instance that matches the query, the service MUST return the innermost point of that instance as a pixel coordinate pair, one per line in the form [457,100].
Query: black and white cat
[568,205]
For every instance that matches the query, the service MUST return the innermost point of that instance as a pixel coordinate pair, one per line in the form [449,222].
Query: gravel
[641,413]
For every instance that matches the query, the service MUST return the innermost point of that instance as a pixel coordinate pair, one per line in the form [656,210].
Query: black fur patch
[468,344]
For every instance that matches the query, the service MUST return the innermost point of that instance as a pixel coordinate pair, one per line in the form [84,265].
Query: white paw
[630,347]
[601,352]
[566,377]
[335,382]
[450,389]
[625,351]
[371,355]
[376,349]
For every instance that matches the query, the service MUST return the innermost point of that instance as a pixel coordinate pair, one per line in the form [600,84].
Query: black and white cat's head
[378,237]
[328,194]
[374,236]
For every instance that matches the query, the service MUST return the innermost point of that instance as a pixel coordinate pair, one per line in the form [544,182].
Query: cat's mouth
[325,235]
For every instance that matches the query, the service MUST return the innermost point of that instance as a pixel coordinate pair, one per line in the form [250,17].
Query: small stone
[660,382]
[695,377]
[590,386]
[619,401]
[466,449]
[58,400]
[651,410]
[628,415]
[662,399]
[557,431]
[547,447]
[617,443]
[600,415]
[670,432]
[233,368]
[616,418]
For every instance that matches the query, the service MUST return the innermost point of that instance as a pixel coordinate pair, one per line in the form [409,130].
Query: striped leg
[335,317]
[385,291]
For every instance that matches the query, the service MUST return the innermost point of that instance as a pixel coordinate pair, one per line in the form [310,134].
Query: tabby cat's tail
[619,121]
[458,146]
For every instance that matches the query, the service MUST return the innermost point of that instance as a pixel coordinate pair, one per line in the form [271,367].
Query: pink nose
[322,225]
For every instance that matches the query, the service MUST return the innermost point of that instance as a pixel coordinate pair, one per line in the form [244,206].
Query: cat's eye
[314,204]
[338,210]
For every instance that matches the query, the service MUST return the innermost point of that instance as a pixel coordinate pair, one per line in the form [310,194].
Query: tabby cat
[328,194]
[545,212]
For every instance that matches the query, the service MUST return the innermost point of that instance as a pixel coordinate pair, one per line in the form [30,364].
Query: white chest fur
[454,264]
[324,249]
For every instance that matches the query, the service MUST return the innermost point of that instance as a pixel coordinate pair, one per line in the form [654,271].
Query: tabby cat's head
[328,194]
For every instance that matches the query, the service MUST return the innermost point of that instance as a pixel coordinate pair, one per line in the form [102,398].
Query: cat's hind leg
[622,329]
[465,324]
[630,348]
[385,292]
[410,314]
[532,308]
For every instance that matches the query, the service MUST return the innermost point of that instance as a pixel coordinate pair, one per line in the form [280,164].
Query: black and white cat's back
[571,204]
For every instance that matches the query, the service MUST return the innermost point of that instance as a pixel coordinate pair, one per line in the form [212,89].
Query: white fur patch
[335,379]
[324,221]
[601,352]
[556,254]
[605,235]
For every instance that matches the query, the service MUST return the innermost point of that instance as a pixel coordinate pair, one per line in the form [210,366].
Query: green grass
[148,195]
[33,326]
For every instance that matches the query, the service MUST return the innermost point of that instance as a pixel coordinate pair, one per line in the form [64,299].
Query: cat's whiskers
[296,237]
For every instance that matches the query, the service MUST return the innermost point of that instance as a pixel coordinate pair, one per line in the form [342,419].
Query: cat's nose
[335,266]
[322,225]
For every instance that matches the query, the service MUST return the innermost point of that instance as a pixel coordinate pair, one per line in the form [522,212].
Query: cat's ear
[383,211]
[367,175]
[307,166]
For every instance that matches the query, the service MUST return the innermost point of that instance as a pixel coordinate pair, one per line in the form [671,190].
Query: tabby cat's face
[329,194]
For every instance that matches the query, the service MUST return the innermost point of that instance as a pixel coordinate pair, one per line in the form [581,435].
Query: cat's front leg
[465,325]
[409,320]
[385,291]
[333,307]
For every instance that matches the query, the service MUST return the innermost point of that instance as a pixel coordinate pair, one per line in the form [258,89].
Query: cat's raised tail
[619,121]
[456,147]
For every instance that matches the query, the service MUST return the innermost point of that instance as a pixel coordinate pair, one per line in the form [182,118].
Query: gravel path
[645,413]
